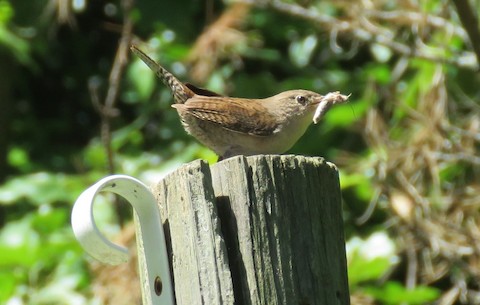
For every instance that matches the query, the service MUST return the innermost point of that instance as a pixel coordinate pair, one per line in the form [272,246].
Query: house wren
[241,126]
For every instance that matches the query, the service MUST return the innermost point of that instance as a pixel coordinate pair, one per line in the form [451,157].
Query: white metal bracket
[152,253]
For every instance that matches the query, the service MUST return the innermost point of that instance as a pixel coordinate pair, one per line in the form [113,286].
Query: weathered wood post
[255,230]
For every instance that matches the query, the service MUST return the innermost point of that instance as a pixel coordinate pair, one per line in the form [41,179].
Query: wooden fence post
[255,230]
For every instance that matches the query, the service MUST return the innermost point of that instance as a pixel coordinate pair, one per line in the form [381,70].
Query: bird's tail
[180,92]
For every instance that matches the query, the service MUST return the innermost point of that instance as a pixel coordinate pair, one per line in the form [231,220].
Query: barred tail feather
[180,92]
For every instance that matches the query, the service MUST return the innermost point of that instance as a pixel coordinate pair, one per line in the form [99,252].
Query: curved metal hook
[155,275]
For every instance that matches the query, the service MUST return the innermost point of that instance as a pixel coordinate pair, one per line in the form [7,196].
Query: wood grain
[256,230]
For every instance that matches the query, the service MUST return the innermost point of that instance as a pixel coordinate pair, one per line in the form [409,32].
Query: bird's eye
[301,99]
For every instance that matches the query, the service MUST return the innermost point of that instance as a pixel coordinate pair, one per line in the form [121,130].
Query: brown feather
[201,91]
[238,116]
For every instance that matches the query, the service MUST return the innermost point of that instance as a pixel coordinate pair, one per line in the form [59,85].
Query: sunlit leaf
[19,47]
[8,285]
[19,158]
[361,269]
[142,78]
[6,12]
[301,51]
[344,115]
[394,293]
[361,183]
[19,243]
[42,188]
[369,259]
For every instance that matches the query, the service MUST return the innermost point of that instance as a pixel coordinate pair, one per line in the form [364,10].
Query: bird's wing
[244,116]
[201,91]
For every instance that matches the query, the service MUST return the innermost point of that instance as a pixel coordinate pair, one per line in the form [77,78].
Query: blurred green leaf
[94,155]
[129,135]
[345,115]
[381,73]
[50,220]
[142,78]
[19,243]
[361,269]
[369,259]
[423,72]
[8,285]
[6,12]
[393,293]
[19,47]
[42,188]
[19,158]
[301,51]
[361,183]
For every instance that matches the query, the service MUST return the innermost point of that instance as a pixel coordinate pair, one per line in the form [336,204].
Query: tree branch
[355,27]
[107,110]
[470,23]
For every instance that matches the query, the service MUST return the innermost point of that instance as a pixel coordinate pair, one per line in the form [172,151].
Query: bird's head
[299,105]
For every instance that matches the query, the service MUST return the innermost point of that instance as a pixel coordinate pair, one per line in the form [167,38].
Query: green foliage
[40,261]
[363,270]
[143,81]
[18,46]
[393,293]
[370,260]
[408,119]
[363,187]
[6,12]
[42,189]
[19,158]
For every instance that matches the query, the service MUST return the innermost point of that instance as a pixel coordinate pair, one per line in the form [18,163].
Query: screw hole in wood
[158,286]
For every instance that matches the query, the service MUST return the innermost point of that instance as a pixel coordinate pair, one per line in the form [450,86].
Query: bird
[232,126]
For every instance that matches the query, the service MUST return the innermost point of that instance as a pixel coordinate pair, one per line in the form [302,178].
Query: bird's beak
[325,102]
[317,101]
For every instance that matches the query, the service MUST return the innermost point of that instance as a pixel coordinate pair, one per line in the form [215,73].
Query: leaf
[369,259]
[42,188]
[19,243]
[142,78]
[301,51]
[9,282]
[19,158]
[361,183]
[361,269]
[393,293]
[345,115]
[19,47]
